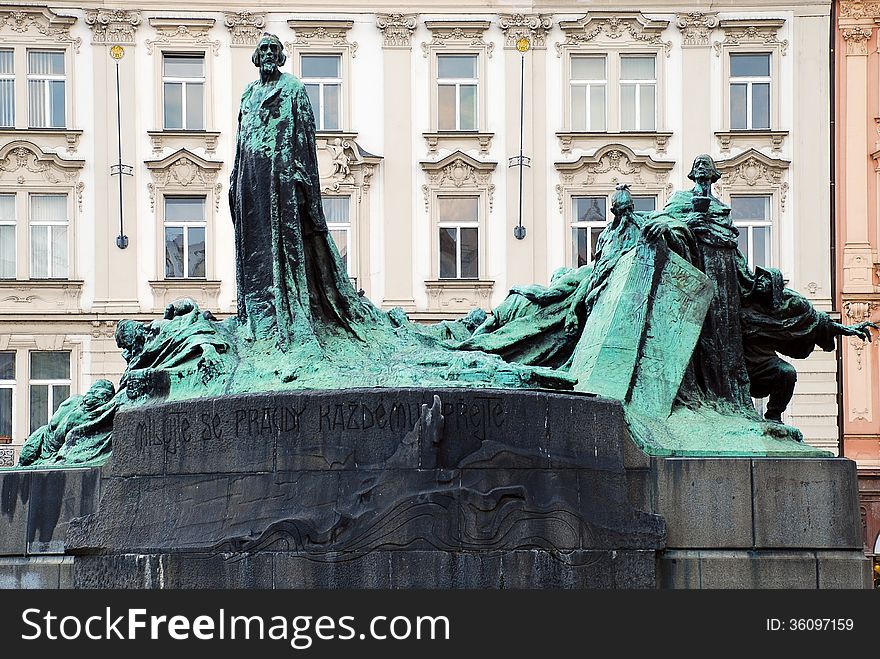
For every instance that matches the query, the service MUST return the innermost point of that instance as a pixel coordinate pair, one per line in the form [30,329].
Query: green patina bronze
[669,319]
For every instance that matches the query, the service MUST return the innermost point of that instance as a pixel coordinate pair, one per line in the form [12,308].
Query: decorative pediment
[533,27]
[458,171]
[614,27]
[610,165]
[40,22]
[751,31]
[25,162]
[182,31]
[184,170]
[696,27]
[457,33]
[245,27]
[397,29]
[754,169]
[343,164]
[322,32]
[113,26]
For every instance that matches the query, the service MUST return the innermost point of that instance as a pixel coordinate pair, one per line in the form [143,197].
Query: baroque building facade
[419,114]
[857,146]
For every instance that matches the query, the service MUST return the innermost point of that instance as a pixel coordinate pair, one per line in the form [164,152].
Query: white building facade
[418,112]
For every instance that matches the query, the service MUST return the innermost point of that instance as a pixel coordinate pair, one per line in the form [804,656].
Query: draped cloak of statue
[291,282]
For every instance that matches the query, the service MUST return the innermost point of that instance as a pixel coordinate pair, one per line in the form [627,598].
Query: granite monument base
[411,488]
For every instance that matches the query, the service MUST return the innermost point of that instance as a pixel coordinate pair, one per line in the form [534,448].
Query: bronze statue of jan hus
[752,316]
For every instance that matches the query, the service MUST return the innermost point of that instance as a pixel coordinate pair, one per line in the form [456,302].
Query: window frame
[459,225]
[458,83]
[322,83]
[21,45]
[46,78]
[11,76]
[750,224]
[638,84]
[574,223]
[587,84]
[348,227]
[15,233]
[750,81]
[184,82]
[50,383]
[48,223]
[482,84]
[12,384]
[190,49]
[185,225]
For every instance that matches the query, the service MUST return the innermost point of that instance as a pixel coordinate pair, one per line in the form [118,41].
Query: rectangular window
[589,219]
[7,396]
[7,236]
[46,95]
[751,215]
[322,76]
[457,92]
[48,231]
[588,85]
[183,84]
[459,219]
[7,88]
[749,91]
[185,229]
[49,384]
[336,212]
[638,92]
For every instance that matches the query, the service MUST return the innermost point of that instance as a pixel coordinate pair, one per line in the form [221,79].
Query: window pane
[589,209]
[37,104]
[760,105]
[5,413]
[446,107]
[7,208]
[59,252]
[646,107]
[469,253]
[628,107]
[7,252]
[331,107]
[637,68]
[39,405]
[581,244]
[743,241]
[56,103]
[468,119]
[196,251]
[597,107]
[738,107]
[48,207]
[749,207]
[7,61]
[448,240]
[173,105]
[335,209]
[184,66]
[184,209]
[750,65]
[761,248]
[340,237]
[7,365]
[195,103]
[39,252]
[588,68]
[595,232]
[644,204]
[7,103]
[579,107]
[174,251]
[457,66]
[60,393]
[458,209]
[46,62]
[320,66]
[314,92]
[50,365]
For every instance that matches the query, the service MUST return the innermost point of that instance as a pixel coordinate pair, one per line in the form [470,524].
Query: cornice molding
[113,26]
[614,26]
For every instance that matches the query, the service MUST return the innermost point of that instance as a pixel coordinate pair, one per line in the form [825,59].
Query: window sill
[183,138]
[40,295]
[755,139]
[458,139]
[589,140]
[51,138]
[457,296]
[204,291]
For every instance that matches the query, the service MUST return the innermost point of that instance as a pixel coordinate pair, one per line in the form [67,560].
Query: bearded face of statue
[269,55]
[704,170]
